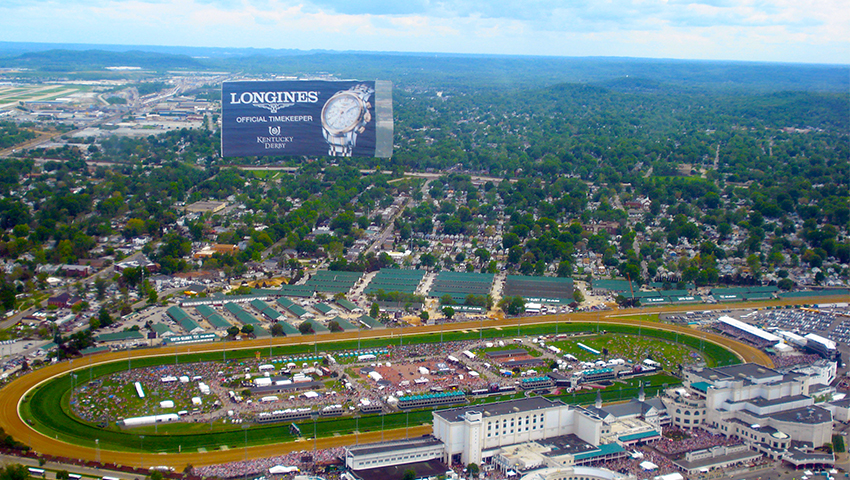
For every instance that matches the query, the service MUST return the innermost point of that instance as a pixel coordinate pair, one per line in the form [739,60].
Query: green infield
[48,408]
[631,348]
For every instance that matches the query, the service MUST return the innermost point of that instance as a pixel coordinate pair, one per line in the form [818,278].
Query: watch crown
[361,129]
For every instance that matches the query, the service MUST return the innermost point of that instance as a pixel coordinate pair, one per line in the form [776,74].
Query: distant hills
[437,70]
[66,60]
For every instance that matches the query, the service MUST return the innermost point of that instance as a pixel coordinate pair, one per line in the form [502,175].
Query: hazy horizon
[771,31]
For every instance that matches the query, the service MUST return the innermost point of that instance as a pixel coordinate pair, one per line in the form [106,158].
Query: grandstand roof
[746,327]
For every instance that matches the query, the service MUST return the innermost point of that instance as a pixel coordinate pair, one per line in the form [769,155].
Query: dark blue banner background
[275,123]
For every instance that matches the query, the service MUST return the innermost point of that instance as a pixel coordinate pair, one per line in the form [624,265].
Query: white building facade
[476,433]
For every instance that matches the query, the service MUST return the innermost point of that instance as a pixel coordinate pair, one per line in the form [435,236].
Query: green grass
[47,408]
[532,352]
[630,348]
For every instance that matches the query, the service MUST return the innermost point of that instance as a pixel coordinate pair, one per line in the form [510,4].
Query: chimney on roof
[641,394]
[598,403]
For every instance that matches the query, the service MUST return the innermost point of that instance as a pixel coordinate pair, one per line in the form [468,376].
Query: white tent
[280,469]
[670,476]
[647,465]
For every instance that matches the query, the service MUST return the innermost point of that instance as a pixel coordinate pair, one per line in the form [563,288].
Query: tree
[104,317]
[14,472]
[427,260]
[449,312]
[334,326]
[247,329]
[512,305]
[472,469]
[233,331]
[409,475]
[276,330]
[375,310]
[62,475]
[578,296]
[424,315]
[305,328]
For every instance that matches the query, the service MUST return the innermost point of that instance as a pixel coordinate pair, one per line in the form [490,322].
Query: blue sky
[808,31]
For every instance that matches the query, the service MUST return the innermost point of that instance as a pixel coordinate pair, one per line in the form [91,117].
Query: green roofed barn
[184,320]
[324,309]
[395,280]
[242,316]
[212,317]
[370,322]
[332,281]
[120,336]
[602,286]
[460,285]
[288,329]
[344,324]
[547,290]
[348,305]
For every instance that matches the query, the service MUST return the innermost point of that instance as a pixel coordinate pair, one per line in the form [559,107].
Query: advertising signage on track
[310,117]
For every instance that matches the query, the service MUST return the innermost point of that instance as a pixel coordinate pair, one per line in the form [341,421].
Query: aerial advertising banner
[309,117]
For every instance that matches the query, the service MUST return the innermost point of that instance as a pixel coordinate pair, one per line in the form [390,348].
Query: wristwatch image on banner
[345,115]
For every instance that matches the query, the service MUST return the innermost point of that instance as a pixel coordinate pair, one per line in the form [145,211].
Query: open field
[10,96]
[632,348]
[122,452]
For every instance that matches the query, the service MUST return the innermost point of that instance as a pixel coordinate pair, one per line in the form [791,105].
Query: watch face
[342,113]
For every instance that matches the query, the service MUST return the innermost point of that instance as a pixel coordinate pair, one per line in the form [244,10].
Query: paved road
[11,395]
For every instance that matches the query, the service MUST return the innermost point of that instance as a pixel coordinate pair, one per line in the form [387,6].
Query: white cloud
[770,30]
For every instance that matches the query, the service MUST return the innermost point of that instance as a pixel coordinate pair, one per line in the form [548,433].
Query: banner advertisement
[310,117]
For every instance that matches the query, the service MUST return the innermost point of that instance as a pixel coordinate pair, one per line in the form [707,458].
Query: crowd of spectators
[632,466]
[262,465]
[695,439]
[787,361]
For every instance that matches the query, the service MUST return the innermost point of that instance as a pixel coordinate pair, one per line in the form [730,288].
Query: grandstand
[754,335]
[536,383]
[431,400]
[547,290]
[459,285]
[395,280]
[598,374]
[331,281]
[212,317]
